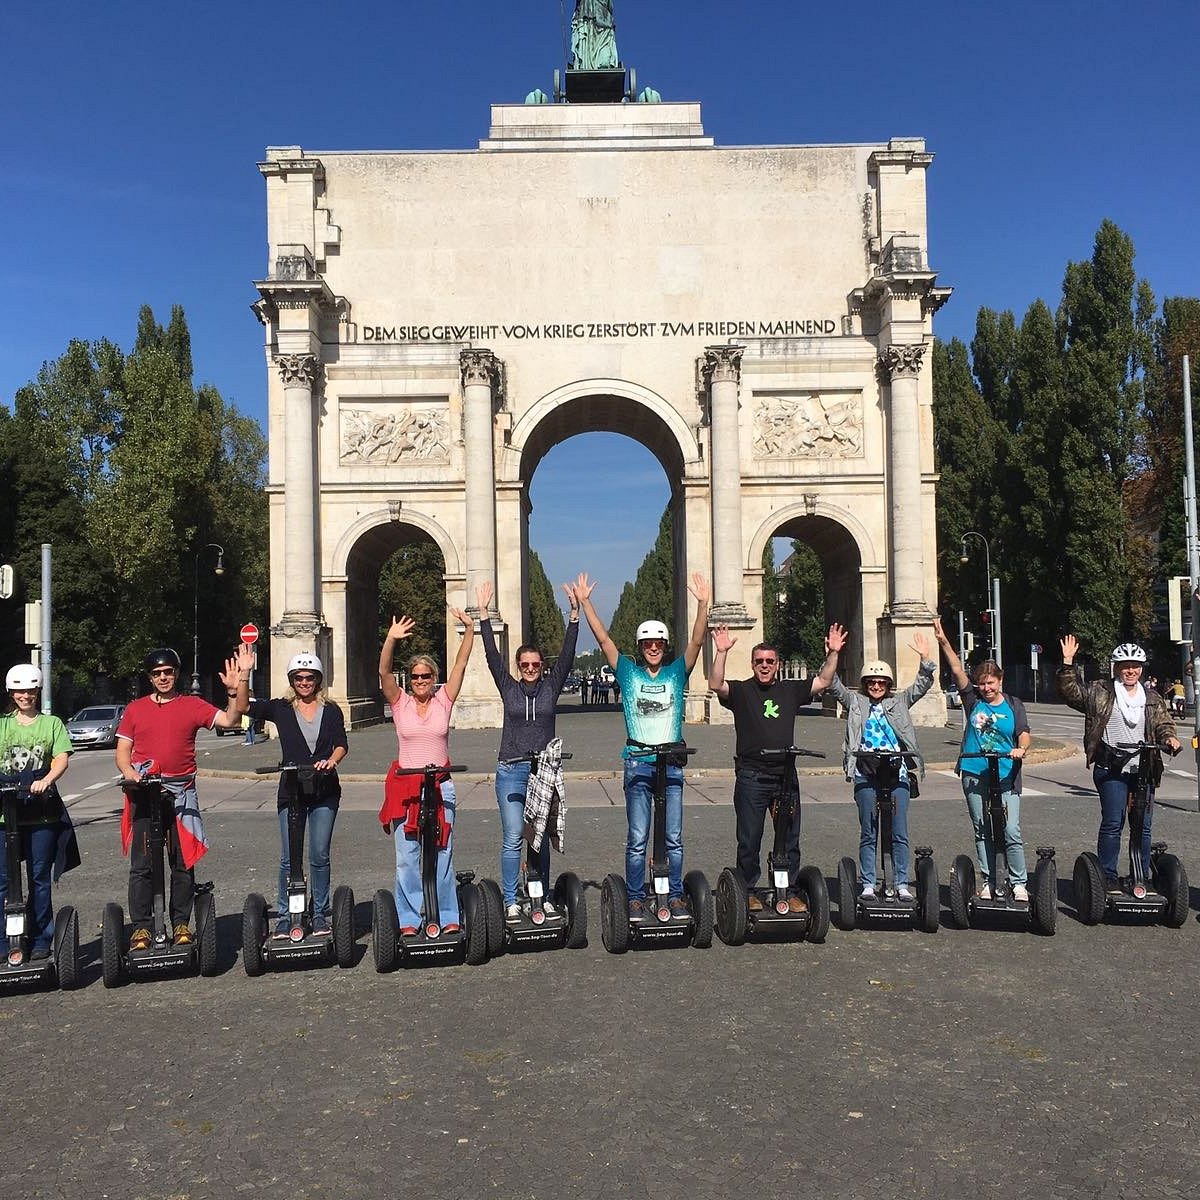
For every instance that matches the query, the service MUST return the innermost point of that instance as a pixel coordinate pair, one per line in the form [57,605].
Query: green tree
[546,620]
[651,594]
[411,584]
[800,626]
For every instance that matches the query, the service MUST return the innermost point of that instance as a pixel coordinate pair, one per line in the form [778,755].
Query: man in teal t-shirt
[652,695]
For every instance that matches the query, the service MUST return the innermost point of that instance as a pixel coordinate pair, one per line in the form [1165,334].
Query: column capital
[731,613]
[298,370]
[478,366]
[723,364]
[902,360]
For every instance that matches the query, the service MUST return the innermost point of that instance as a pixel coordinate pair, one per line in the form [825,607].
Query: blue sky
[132,131]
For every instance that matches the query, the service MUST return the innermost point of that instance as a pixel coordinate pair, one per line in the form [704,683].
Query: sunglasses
[304,678]
[421,675]
[654,641]
[162,671]
[23,691]
[764,662]
[530,666]
[871,682]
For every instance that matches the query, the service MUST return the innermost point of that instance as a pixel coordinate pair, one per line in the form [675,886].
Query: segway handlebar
[790,752]
[667,749]
[533,756]
[155,780]
[430,769]
[1129,749]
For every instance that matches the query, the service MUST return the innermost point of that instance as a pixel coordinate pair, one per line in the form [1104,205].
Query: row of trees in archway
[130,471]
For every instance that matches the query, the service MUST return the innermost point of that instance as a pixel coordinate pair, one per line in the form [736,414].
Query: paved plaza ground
[882,1062]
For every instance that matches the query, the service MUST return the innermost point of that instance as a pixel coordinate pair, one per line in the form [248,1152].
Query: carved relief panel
[809,425]
[390,432]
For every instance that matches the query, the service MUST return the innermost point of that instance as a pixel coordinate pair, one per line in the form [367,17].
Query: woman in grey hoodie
[529,703]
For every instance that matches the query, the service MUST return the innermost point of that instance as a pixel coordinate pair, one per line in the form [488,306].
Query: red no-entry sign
[249,634]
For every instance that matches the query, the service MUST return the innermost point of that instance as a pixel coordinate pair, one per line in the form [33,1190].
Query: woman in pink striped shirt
[422,722]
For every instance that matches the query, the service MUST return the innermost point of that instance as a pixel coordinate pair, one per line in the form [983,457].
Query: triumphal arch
[759,317]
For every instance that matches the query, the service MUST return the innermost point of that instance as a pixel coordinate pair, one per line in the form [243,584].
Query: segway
[302,947]
[150,799]
[430,945]
[659,928]
[966,908]
[536,929]
[1165,894]
[23,809]
[735,919]
[886,906]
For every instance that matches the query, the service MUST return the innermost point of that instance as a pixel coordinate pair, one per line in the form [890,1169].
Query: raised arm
[835,643]
[459,669]
[566,656]
[583,591]
[948,653]
[925,672]
[1068,681]
[236,678]
[700,589]
[483,599]
[722,644]
[399,630]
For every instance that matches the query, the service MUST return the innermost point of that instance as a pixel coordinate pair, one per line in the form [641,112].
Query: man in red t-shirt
[160,730]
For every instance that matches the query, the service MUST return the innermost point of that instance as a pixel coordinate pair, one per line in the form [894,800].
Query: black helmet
[163,657]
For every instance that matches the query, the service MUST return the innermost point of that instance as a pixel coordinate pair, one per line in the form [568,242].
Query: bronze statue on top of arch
[594,36]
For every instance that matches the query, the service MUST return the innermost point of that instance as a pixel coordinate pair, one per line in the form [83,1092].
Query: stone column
[901,363]
[479,375]
[299,373]
[722,367]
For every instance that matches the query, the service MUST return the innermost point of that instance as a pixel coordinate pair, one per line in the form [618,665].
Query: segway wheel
[475,912]
[732,898]
[1043,908]
[568,892]
[847,894]
[700,900]
[206,933]
[1173,883]
[385,930]
[1088,881]
[112,952]
[66,947]
[614,914]
[928,898]
[343,926]
[254,932]
[493,900]
[962,889]
[811,881]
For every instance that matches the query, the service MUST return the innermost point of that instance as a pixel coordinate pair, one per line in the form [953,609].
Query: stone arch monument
[757,316]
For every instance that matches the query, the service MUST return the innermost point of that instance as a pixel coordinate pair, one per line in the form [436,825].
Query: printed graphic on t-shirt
[770,708]
[986,729]
[16,759]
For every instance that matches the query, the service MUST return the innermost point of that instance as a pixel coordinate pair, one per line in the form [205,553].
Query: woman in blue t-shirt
[996,722]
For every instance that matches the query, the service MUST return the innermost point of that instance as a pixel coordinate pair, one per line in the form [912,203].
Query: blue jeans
[409,896]
[511,781]
[38,845]
[974,789]
[639,812]
[864,797]
[319,819]
[753,795]
[1114,791]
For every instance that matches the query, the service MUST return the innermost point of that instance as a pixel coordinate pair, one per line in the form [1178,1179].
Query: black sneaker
[39,953]
[679,909]
[637,910]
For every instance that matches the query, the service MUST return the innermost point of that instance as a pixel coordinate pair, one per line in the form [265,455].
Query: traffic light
[985,618]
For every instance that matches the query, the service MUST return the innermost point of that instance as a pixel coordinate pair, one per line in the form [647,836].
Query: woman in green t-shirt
[35,749]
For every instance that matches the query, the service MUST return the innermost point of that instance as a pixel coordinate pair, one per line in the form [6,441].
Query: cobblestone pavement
[984,1062]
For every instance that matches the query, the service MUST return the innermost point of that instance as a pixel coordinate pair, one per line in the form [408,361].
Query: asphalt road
[981,1062]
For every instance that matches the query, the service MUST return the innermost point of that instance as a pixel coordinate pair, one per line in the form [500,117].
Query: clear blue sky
[131,134]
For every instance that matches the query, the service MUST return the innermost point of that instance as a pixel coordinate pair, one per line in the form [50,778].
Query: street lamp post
[991,590]
[219,569]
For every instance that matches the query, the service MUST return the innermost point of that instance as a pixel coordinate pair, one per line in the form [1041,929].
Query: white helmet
[1128,652]
[652,629]
[305,662]
[878,669]
[23,675]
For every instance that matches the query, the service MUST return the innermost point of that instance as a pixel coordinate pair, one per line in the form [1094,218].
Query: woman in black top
[529,711]
[312,732]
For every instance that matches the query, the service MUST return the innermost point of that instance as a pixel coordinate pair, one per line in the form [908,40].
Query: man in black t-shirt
[764,711]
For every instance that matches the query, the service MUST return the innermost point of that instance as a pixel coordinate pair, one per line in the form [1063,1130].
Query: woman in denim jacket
[877,718]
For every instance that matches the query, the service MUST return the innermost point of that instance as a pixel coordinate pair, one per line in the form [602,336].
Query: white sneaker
[985,892]
[868,892]
[549,909]
[1021,893]
[512,912]
[902,892]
